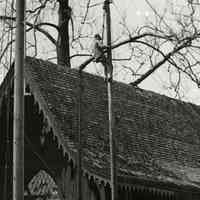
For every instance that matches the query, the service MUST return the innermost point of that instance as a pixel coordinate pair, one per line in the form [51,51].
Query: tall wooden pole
[18,128]
[109,91]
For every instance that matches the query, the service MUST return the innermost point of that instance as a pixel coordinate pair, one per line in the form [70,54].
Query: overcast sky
[138,12]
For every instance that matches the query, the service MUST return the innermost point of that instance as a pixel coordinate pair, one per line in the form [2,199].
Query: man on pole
[99,57]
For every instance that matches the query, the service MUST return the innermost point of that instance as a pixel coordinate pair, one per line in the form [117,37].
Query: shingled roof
[158,138]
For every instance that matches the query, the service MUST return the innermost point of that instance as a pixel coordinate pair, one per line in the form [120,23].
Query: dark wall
[6,128]
[37,157]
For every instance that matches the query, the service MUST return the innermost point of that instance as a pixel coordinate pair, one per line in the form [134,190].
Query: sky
[138,11]
[135,12]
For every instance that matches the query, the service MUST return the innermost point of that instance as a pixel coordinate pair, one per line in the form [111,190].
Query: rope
[79,164]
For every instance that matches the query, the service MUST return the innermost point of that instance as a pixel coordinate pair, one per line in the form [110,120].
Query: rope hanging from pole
[79,162]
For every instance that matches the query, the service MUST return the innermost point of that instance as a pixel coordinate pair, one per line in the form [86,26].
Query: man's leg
[109,71]
[105,65]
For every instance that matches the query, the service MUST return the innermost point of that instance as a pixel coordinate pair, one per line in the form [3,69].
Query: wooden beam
[113,176]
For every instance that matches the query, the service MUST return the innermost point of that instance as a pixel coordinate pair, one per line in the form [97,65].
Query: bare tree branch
[5,49]
[37,27]
[166,58]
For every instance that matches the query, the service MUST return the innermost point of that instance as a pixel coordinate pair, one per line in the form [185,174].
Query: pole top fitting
[106,3]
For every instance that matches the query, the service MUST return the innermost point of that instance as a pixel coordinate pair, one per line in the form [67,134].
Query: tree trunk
[63,49]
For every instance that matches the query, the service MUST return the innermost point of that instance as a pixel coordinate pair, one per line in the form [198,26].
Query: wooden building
[157,137]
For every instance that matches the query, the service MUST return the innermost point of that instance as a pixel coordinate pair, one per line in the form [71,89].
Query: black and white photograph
[100,99]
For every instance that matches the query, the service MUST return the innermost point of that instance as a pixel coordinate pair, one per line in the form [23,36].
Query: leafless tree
[170,41]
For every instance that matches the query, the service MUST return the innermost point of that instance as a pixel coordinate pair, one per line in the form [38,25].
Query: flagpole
[18,127]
